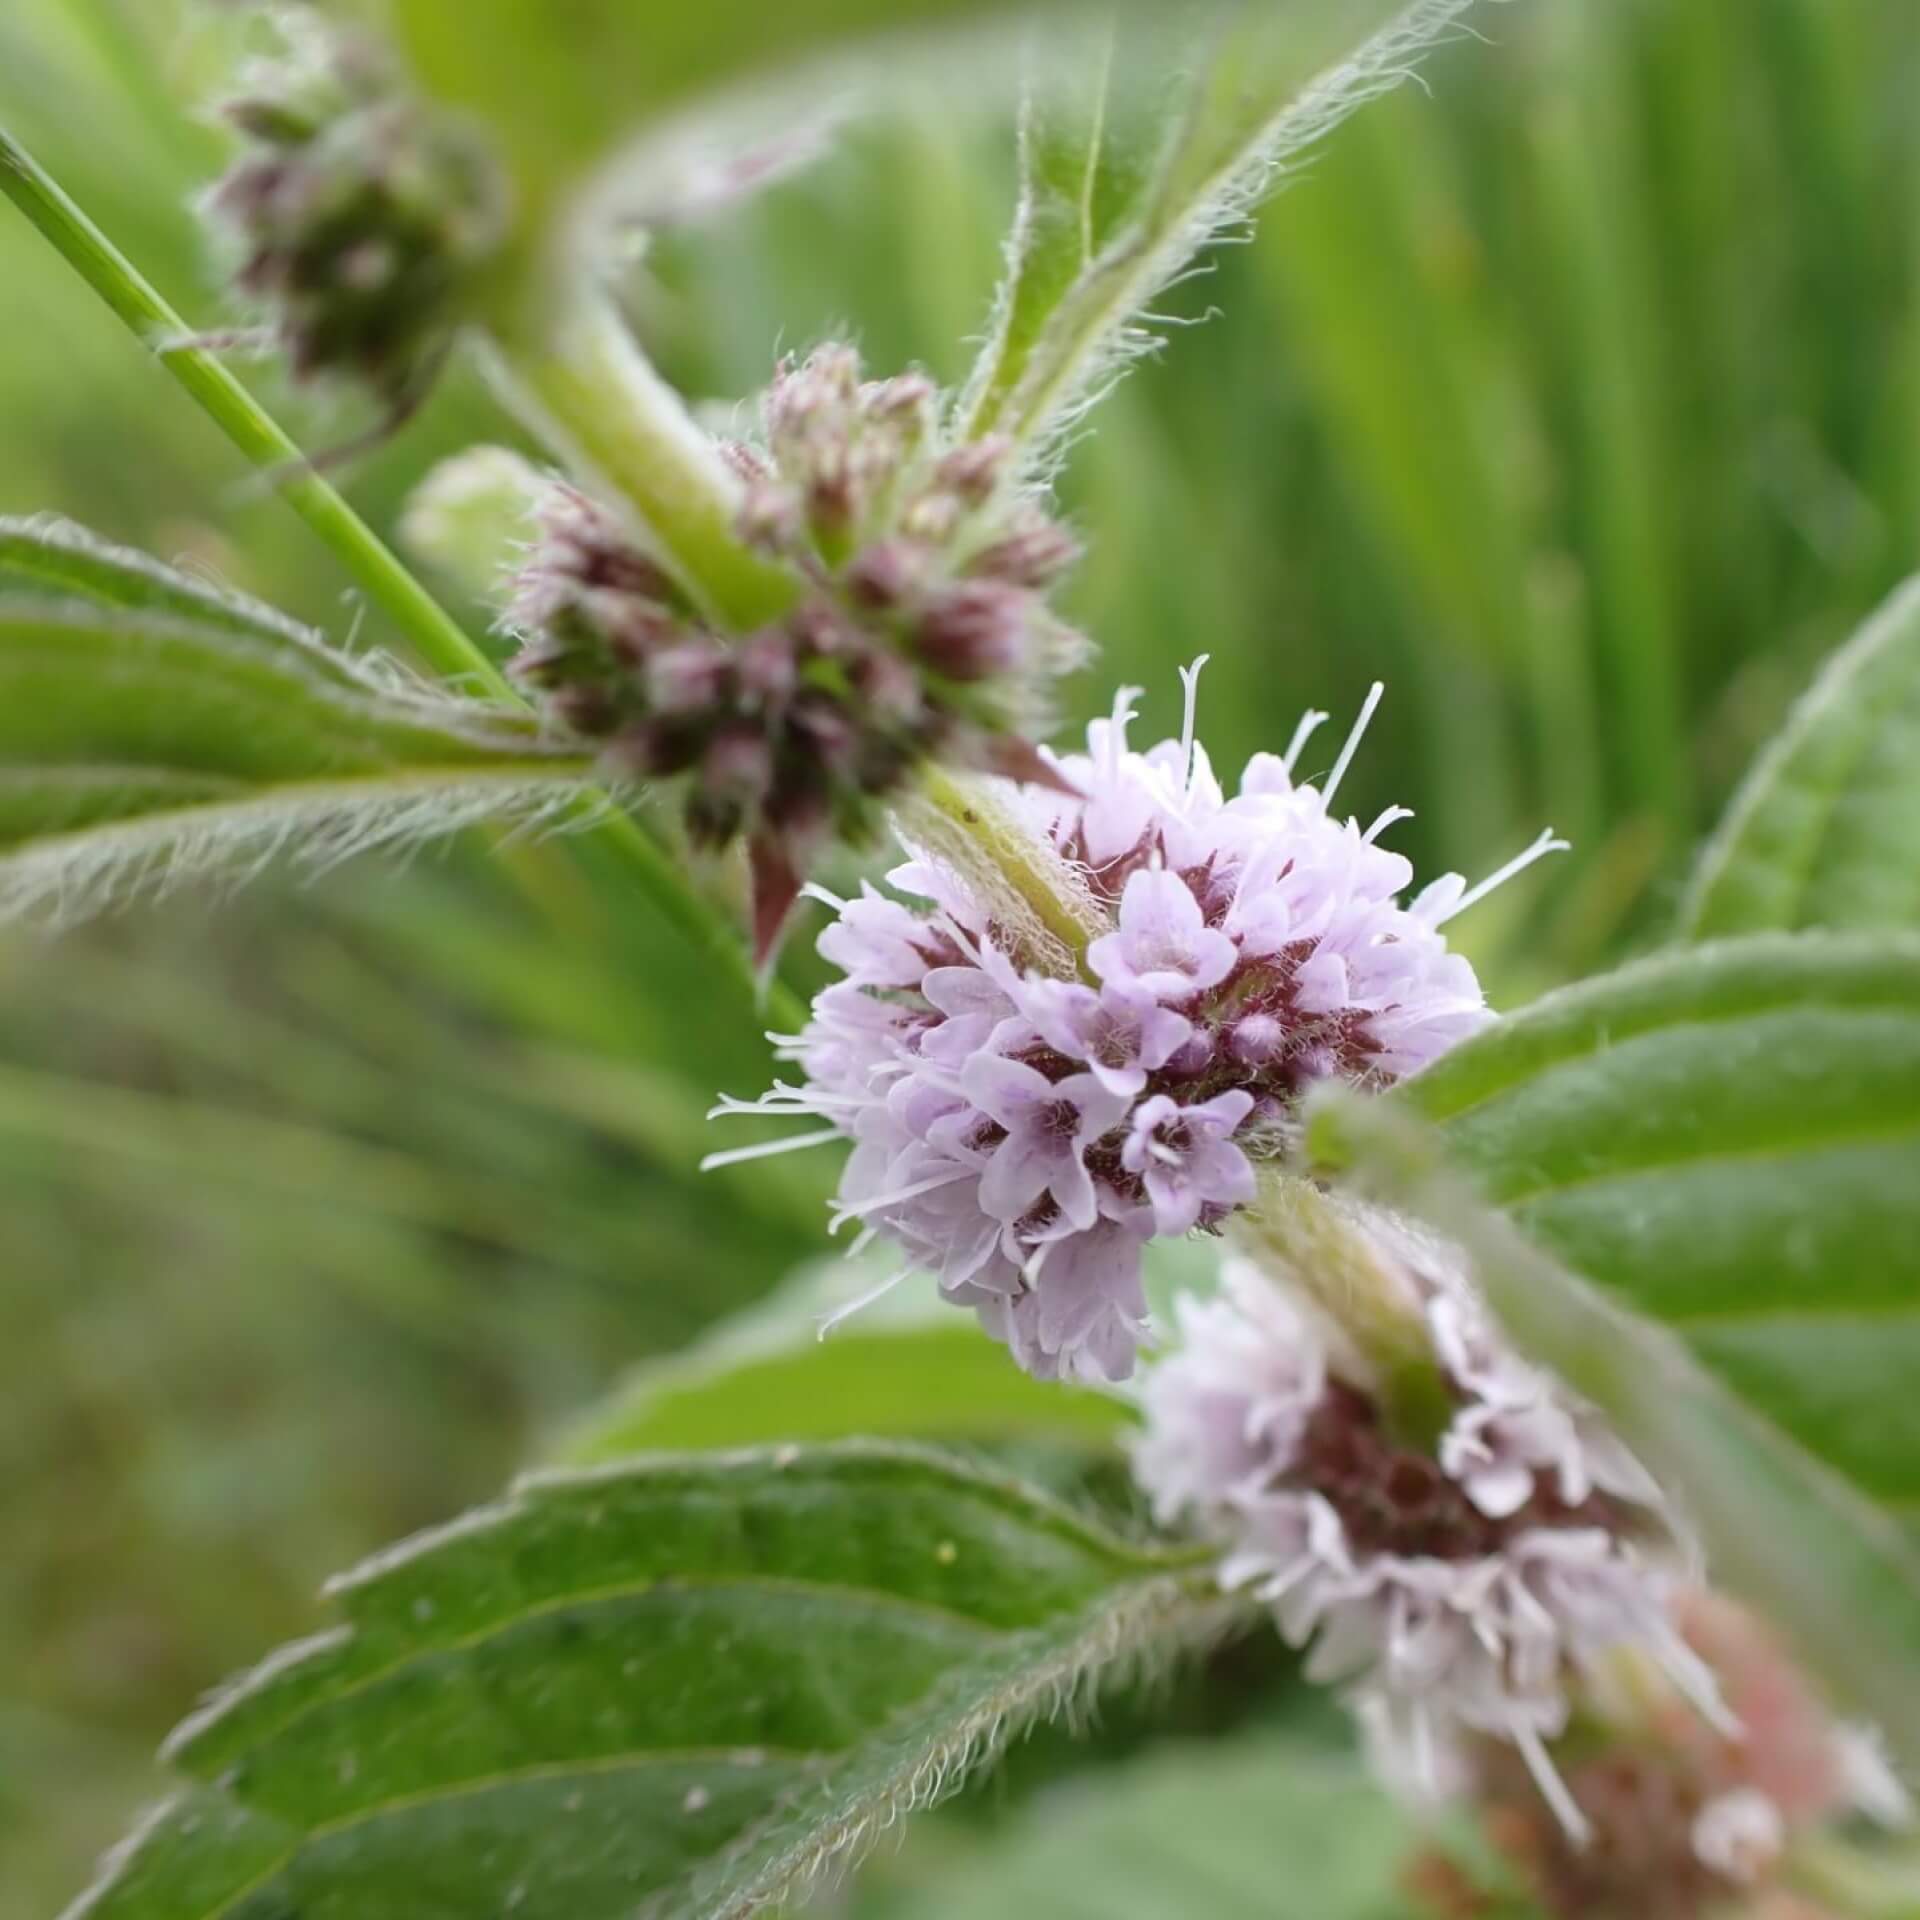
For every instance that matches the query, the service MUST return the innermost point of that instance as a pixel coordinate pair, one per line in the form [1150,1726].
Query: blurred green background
[1576,395]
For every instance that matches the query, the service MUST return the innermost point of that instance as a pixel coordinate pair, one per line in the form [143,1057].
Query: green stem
[589,393]
[433,632]
[986,838]
[1318,1246]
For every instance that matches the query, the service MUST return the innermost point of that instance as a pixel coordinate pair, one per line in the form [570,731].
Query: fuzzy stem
[1019,861]
[1316,1245]
[589,393]
[433,632]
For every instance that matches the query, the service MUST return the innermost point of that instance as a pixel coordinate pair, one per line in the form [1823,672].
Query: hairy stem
[428,627]
[1315,1243]
[589,393]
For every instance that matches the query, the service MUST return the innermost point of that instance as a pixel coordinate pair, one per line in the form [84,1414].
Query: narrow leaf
[906,1366]
[137,755]
[1118,196]
[48,558]
[153,727]
[686,1686]
[1831,1569]
[1728,1139]
[1825,832]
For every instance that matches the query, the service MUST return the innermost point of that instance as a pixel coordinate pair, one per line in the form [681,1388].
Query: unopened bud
[687,679]
[973,631]
[885,575]
[975,471]
[1034,555]
[767,670]
[735,772]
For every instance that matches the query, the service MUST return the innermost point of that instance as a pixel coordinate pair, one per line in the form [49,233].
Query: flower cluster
[1680,1816]
[361,215]
[1463,1586]
[1025,1118]
[919,627]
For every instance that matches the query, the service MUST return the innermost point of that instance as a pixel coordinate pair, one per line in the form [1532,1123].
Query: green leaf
[1126,177]
[907,1366]
[1253,1829]
[1830,1568]
[1728,1138]
[152,727]
[1825,832]
[683,1686]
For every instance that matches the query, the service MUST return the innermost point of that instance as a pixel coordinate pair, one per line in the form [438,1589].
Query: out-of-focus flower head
[1465,1587]
[363,216]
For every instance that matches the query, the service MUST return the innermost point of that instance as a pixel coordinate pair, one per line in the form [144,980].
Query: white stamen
[1310,724]
[1545,845]
[1697,1685]
[881,1201]
[865,1300]
[1391,817]
[1553,1789]
[1358,733]
[813,890]
[1190,680]
[1117,731]
[767,1149]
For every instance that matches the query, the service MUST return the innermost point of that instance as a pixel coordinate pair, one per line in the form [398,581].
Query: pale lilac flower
[1163,948]
[1049,1125]
[1186,1158]
[1451,1613]
[1023,1127]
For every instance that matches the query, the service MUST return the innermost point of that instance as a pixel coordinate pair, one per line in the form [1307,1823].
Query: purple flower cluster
[1460,1588]
[1023,1125]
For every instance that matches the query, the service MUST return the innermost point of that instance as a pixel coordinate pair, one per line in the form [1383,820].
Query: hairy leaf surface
[1728,1139]
[685,1686]
[153,727]
[1137,153]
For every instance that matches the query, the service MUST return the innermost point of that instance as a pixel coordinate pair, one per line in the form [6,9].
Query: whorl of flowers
[361,215]
[1464,1586]
[1026,1117]
[919,628]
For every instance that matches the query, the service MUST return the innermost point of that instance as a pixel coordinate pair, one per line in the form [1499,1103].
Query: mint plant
[1505,1366]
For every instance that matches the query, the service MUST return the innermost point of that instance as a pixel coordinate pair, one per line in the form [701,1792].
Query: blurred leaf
[695,1681]
[1826,830]
[1728,1138]
[564,104]
[909,1365]
[51,558]
[1251,1830]
[1117,195]
[152,728]
[1833,1570]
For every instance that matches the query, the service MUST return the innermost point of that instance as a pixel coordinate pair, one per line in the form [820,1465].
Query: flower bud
[364,219]
[973,631]
[735,773]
